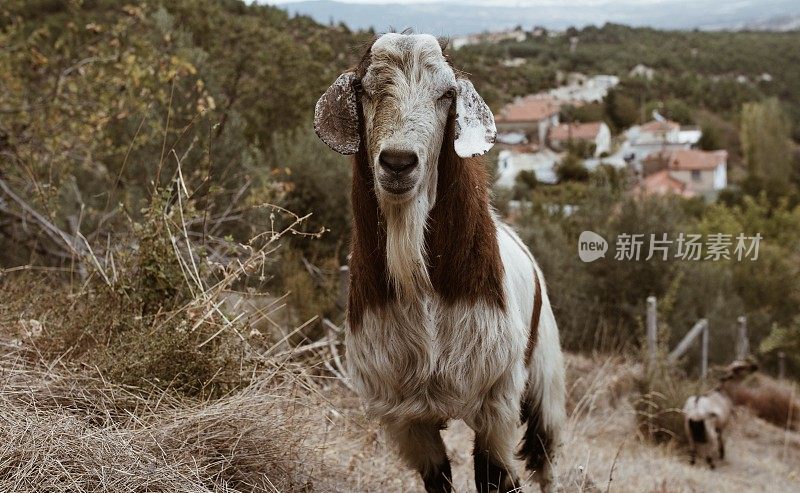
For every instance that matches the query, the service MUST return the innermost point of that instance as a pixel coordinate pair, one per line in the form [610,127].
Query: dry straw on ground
[62,430]
[295,430]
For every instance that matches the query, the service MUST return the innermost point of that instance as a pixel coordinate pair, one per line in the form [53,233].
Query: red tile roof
[691,159]
[575,131]
[661,183]
[529,109]
[656,126]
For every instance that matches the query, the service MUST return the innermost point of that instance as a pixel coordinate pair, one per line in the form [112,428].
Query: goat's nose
[397,161]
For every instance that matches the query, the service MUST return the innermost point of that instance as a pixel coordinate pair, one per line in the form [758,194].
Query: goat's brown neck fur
[461,241]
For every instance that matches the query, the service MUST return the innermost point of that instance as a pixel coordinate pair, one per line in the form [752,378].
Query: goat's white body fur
[714,409]
[420,360]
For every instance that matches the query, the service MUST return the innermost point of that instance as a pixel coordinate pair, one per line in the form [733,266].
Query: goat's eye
[448,94]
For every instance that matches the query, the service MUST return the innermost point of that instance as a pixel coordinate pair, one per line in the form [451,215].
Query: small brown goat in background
[707,415]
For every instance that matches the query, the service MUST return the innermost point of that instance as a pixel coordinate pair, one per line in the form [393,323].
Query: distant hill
[779,23]
[461,17]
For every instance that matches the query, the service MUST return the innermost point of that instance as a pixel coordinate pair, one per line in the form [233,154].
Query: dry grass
[292,430]
[771,400]
[606,447]
[658,403]
[65,430]
[603,448]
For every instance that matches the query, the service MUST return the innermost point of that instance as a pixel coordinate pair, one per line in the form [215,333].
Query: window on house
[696,175]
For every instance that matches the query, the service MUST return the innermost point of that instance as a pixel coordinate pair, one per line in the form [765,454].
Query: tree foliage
[99,101]
[766,147]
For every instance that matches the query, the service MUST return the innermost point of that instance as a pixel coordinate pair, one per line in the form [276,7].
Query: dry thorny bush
[161,305]
[143,376]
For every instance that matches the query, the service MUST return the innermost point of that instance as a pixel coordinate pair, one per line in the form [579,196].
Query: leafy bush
[571,168]
[524,184]
[583,149]
[316,181]
[153,315]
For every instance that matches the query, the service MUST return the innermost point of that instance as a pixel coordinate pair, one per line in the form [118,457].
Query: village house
[687,172]
[657,132]
[657,136]
[514,62]
[531,115]
[705,172]
[582,89]
[543,163]
[661,183]
[596,133]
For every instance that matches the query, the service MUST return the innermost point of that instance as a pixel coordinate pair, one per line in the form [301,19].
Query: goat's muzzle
[398,168]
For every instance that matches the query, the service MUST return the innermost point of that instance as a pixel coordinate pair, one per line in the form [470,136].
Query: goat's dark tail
[537,444]
[698,430]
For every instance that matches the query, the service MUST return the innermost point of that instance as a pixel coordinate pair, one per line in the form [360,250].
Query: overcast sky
[493,15]
[509,3]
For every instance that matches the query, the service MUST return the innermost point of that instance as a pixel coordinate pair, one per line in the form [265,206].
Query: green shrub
[571,168]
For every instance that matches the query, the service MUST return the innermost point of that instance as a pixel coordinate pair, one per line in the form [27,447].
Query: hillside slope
[601,442]
[64,429]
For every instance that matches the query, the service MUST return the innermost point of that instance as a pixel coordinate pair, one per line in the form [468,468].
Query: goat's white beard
[406,258]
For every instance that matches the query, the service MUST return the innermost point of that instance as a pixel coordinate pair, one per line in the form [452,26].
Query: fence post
[704,353]
[652,329]
[781,365]
[742,342]
[687,340]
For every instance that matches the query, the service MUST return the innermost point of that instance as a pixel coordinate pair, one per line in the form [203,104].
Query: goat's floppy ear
[475,131]
[336,115]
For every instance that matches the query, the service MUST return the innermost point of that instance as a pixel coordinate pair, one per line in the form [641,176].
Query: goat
[448,313]
[706,416]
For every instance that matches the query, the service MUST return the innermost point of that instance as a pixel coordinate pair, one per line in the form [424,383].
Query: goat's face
[406,95]
[739,369]
[407,90]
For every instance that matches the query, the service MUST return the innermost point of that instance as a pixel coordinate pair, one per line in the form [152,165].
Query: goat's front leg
[721,445]
[421,446]
[494,448]
[692,445]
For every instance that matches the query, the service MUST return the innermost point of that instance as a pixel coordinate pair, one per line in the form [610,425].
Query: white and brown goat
[706,416]
[448,313]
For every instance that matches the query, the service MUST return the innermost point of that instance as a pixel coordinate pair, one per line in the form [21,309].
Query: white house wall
[603,140]
[542,164]
[721,176]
